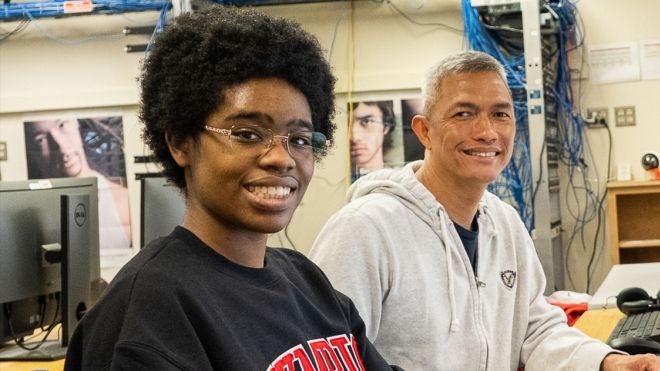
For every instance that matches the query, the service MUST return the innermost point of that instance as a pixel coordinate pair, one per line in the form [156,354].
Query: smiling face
[232,188]
[470,128]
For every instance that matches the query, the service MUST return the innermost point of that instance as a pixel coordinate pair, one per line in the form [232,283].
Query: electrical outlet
[625,116]
[597,117]
[3,151]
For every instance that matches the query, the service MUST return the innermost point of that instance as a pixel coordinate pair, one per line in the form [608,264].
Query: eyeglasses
[257,140]
[368,122]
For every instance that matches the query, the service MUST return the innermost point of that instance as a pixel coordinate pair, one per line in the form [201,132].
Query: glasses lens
[319,142]
[305,144]
[250,136]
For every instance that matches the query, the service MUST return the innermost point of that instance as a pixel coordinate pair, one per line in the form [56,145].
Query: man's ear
[420,126]
[179,149]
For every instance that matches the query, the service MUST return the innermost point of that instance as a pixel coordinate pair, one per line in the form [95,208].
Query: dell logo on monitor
[80,214]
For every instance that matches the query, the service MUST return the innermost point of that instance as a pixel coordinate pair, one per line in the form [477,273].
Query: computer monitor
[49,260]
[162,207]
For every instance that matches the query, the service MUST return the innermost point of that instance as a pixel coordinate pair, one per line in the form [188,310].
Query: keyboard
[637,333]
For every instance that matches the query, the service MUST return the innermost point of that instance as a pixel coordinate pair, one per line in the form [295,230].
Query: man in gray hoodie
[444,273]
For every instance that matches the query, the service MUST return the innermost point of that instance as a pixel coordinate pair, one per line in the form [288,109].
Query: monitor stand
[74,260]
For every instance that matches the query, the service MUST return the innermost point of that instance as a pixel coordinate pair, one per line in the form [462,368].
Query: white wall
[374,51]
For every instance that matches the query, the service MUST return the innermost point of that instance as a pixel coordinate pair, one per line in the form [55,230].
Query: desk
[30,366]
[598,323]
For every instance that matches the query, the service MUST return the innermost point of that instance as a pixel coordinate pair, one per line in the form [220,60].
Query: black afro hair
[201,54]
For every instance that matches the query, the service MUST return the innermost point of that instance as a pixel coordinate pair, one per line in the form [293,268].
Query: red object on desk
[573,310]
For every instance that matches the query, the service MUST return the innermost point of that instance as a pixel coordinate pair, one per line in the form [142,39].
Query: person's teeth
[270,192]
[482,154]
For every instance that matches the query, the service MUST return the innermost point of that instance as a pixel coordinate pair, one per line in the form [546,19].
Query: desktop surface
[32,366]
[599,323]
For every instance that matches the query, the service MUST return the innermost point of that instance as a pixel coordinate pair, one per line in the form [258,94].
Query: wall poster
[380,135]
[83,146]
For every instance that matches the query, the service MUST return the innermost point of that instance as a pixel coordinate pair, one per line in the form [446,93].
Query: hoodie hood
[403,185]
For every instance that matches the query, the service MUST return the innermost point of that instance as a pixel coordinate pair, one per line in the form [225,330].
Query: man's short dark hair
[201,54]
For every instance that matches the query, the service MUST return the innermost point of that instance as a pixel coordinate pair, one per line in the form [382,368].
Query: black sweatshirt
[179,305]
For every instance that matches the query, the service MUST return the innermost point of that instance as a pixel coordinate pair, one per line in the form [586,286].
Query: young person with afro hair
[237,108]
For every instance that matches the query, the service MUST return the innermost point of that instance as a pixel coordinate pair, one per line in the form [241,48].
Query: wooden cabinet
[634,221]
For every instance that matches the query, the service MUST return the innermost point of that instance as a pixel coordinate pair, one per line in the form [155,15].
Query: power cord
[20,341]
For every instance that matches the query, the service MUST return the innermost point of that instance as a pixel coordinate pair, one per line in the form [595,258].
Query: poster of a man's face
[371,127]
[85,147]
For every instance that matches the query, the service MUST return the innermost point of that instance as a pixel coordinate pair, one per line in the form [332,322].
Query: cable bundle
[514,185]
[16,11]
[565,140]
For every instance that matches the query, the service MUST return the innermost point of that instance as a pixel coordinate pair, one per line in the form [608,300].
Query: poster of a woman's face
[85,147]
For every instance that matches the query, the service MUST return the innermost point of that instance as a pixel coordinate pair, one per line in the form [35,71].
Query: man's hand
[639,362]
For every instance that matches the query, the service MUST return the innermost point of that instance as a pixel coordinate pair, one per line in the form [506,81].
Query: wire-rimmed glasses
[257,140]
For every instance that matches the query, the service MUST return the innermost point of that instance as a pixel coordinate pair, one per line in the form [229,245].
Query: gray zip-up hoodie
[395,252]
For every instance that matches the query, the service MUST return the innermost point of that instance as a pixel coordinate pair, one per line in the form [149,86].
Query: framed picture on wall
[372,129]
[380,135]
[69,146]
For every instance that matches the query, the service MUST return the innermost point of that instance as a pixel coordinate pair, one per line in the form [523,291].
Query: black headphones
[635,300]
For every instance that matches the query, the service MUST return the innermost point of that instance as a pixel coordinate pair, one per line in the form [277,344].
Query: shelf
[634,221]
[633,244]
[638,184]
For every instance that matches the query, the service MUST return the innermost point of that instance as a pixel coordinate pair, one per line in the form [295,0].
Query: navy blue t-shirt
[470,241]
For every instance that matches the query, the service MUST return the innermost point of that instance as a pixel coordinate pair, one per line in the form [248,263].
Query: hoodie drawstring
[453,326]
